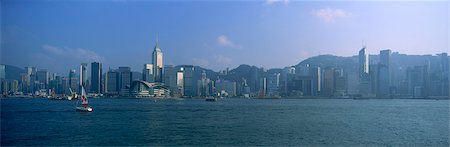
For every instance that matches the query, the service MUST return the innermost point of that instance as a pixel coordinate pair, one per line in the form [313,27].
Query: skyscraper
[158,63]
[188,81]
[180,82]
[328,81]
[2,71]
[363,71]
[43,77]
[112,82]
[73,80]
[445,77]
[147,73]
[203,85]
[96,77]
[363,67]
[125,80]
[83,74]
[170,75]
[273,84]
[384,81]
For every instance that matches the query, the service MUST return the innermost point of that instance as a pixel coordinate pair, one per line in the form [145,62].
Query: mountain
[322,61]
[13,72]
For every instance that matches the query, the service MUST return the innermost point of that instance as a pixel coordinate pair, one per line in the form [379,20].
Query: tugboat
[84,102]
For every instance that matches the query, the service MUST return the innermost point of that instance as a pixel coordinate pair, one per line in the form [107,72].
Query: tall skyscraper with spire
[158,63]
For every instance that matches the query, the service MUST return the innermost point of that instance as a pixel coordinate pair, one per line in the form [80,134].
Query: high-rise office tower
[188,81]
[112,82]
[445,77]
[83,74]
[384,81]
[147,73]
[363,72]
[96,77]
[170,75]
[363,63]
[273,84]
[2,71]
[180,82]
[125,80]
[328,81]
[158,63]
[73,80]
[42,76]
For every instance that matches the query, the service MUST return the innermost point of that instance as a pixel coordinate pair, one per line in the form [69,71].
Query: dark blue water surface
[227,122]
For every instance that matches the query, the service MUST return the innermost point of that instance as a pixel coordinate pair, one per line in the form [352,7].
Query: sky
[59,35]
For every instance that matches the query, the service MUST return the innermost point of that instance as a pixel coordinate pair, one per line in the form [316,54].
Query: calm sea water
[227,122]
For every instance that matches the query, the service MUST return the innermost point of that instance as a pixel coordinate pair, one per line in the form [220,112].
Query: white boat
[72,95]
[84,102]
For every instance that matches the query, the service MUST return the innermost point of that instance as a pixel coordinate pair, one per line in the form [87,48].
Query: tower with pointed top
[158,63]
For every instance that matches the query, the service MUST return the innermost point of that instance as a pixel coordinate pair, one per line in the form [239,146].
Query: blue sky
[59,35]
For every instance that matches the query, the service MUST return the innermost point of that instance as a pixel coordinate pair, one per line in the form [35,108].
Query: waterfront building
[158,63]
[203,86]
[83,74]
[273,84]
[125,80]
[416,82]
[384,80]
[96,77]
[170,77]
[445,76]
[112,82]
[363,71]
[147,73]
[262,87]
[340,82]
[180,83]
[188,81]
[352,83]
[73,84]
[225,88]
[144,89]
[4,87]
[328,82]
[2,71]
[65,85]
[316,81]
[42,77]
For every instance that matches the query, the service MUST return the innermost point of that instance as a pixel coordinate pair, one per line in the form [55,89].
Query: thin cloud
[329,15]
[224,60]
[200,62]
[223,40]
[69,53]
[273,2]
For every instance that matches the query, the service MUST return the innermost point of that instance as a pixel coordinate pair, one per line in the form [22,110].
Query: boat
[72,95]
[84,102]
[211,99]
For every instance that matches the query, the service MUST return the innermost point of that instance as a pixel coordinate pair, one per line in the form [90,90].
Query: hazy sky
[59,35]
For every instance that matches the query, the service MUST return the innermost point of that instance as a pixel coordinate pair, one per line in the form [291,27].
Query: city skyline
[226,40]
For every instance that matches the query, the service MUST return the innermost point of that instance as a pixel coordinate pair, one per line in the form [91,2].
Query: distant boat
[84,102]
[211,99]
[72,95]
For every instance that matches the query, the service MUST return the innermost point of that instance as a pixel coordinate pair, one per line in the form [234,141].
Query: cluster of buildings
[380,78]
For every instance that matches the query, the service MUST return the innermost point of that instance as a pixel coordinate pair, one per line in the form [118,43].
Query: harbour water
[227,122]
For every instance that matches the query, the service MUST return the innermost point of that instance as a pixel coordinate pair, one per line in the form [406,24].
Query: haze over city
[59,35]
